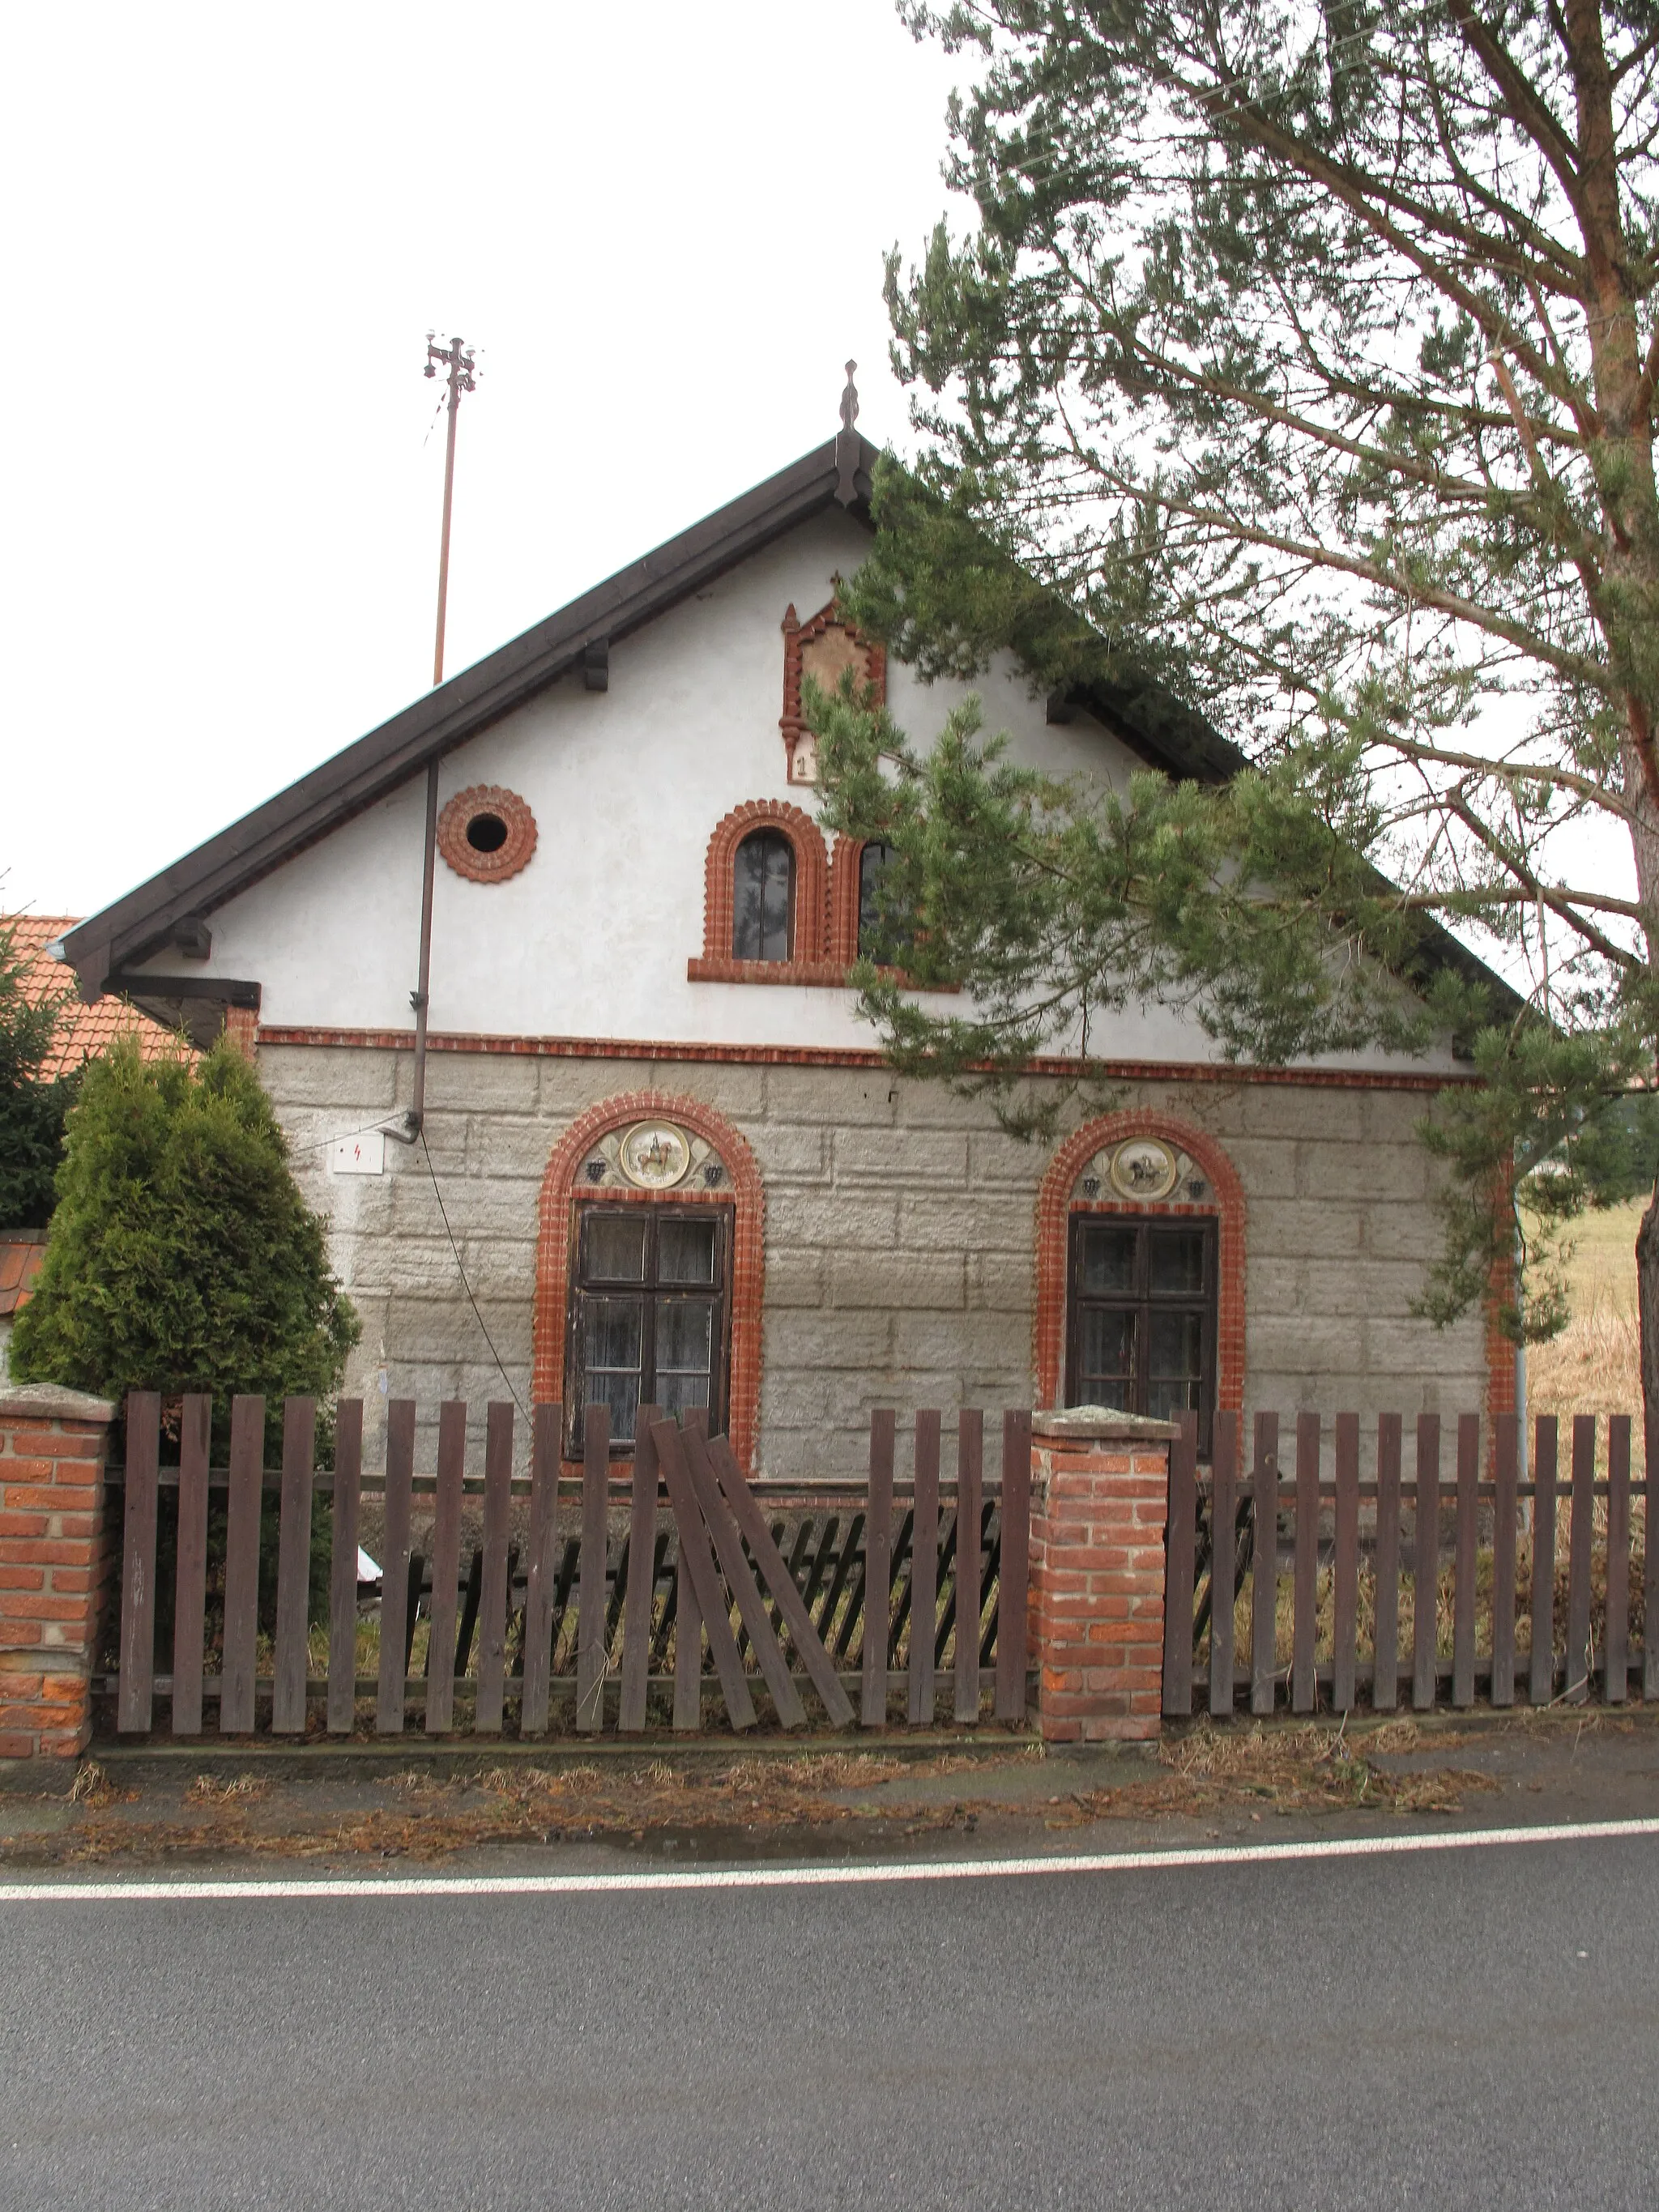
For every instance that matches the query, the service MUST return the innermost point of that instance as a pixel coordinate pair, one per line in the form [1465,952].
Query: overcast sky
[228,233]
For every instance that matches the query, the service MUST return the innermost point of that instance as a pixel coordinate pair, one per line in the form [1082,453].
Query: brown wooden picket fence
[551,1622]
[1449,1582]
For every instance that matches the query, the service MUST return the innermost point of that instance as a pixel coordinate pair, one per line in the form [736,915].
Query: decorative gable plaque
[823,647]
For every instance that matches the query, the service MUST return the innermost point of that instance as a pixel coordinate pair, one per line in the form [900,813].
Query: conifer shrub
[183,1257]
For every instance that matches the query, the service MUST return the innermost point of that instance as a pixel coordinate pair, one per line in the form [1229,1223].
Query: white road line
[816,1877]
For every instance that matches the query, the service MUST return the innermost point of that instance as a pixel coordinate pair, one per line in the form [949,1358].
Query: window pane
[1175,1264]
[677,1394]
[1108,1346]
[615,1250]
[621,1393]
[1109,1260]
[613,1334]
[685,1337]
[1175,1347]
[763,896]
[881,936]
[685,1250]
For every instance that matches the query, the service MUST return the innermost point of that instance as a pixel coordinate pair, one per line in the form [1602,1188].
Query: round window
[487,833]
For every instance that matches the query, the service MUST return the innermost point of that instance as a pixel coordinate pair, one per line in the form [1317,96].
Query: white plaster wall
[592,940]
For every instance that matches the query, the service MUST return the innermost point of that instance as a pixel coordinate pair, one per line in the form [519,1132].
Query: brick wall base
[54,1569]
[1099,1488]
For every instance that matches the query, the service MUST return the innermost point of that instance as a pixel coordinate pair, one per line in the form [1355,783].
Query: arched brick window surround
[719,896]
[747,1198]
[1224,1203]
[844,860]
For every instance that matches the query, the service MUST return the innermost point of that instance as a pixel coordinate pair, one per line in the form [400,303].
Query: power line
[461,1271]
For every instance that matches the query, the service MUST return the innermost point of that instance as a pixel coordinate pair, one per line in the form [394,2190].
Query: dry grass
[1593,1366]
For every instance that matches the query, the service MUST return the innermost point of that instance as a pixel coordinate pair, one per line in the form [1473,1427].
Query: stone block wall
[900,1231]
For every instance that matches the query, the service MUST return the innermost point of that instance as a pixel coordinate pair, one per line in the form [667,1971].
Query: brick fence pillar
[54,1565]
[1100,1492]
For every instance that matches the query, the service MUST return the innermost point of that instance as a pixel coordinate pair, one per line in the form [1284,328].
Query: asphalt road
[1463,2029]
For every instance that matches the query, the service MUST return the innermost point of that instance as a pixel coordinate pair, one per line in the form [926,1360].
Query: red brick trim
[825,975]
[798,635]
[509,859]
[1055,1209]
[748,1199]
[242,1028]
[815,1055]
[811,880]
[844,858]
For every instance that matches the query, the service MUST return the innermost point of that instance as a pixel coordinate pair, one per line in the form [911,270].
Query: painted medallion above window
[487,833]
[823,647]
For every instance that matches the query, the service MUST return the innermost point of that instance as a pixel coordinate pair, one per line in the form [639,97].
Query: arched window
[763,897]
[880,935]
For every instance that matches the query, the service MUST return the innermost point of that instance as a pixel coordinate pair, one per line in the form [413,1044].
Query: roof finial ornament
[848,443]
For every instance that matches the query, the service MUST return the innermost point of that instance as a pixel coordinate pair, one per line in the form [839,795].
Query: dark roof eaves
[133,926]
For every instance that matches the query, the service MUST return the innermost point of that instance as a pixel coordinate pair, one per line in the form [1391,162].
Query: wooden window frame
[1143,1302]
[652,1293]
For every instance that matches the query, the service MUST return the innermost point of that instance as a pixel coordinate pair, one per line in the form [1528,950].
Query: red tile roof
[84,1032]
[21,1254]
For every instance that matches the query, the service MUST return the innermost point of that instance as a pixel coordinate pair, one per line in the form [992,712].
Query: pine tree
[1300,371]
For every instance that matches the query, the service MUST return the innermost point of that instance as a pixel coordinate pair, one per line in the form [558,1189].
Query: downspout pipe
[414,1116]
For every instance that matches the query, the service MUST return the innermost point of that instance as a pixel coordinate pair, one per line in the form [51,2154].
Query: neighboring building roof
[20,1254]
[170,909]
[84,1032]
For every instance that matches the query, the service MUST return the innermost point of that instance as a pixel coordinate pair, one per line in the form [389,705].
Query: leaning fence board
[1179,1567]
[1544,1465]
[1425,1552]
[1463,1590]
[343,1578]
[1223,1554]
[247,1453]
[809,1646]
[698,1562]
[641,1574]
[543,1569]
[445,1567]
[1305,1580]
[752,1610]
[1264,1589]
[1581,1532]
[287,1695]
[1506,1452]
[394,1565]
[924,1573]
[1616,1637]
[878,1568]
[135,1703]
[1385,1666]
[1345,1576]
[970,1460]
[590,1601]
[492,1585]
[190,1598]
[1014,1574]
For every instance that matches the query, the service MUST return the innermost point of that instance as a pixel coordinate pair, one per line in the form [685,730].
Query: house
[658,1158]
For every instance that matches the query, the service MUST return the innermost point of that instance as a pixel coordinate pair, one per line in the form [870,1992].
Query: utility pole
[458,368]
[457,364]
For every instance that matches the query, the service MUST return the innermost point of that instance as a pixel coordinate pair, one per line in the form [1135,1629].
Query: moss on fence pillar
[55,1565]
